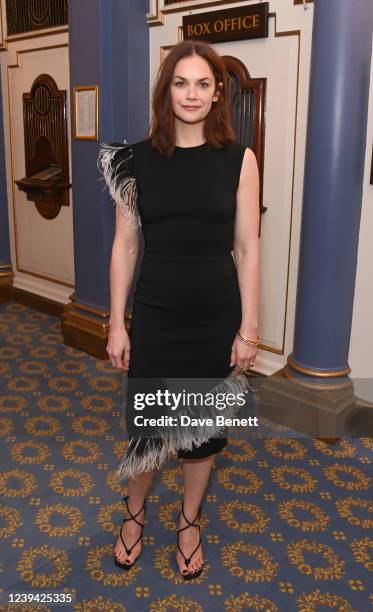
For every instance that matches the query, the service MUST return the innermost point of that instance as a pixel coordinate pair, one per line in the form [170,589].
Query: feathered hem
[147,453]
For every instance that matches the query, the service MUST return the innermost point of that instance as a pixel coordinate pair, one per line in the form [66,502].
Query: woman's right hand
[119,347]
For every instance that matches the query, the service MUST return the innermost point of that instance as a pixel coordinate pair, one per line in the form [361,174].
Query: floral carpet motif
[287,524]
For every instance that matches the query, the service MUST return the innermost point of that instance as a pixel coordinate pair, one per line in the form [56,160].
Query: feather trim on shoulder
[115,162]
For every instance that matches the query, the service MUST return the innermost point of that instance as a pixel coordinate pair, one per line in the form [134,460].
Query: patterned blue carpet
[286,525]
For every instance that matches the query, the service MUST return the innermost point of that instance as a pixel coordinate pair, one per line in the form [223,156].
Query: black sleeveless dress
[187,305]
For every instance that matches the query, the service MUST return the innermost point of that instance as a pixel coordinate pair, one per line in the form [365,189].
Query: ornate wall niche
[46,147]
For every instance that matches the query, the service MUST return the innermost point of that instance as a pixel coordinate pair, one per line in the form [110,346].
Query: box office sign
[235,23]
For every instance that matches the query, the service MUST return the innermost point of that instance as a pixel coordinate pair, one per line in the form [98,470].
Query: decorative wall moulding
[2,35]
[36,34]
[182,5]
[13,108]
[165,49]
[155,16]
[158,8]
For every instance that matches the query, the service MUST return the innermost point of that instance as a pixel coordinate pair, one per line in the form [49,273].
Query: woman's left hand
[244,355]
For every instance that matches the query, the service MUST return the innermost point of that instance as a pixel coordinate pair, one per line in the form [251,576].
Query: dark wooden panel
[38,302]
[248,102]
[29,15]
[166,2]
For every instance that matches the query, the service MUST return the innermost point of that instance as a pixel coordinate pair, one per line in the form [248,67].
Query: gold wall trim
[36,34]
[296,33]
[157,17]
[45,277]
[91,309]
[183,6]
[3,46]
[11,132]
[165,48]
[5,276]
[313,372]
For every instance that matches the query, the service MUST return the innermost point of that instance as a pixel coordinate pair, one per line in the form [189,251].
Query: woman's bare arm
[246,243]
[122,267]
[246,255]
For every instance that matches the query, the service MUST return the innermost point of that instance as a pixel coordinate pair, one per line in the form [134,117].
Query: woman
[195,193]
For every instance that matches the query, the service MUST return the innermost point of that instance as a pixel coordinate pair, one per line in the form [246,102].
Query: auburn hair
[218,128]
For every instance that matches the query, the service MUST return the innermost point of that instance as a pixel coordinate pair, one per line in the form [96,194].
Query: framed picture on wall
[86,112]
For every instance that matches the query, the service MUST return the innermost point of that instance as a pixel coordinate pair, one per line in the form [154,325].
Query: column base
[313,372]
[6,283]
[86,328]
[319,410]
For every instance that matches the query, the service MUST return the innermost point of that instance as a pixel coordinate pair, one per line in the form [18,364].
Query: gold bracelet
[248,341]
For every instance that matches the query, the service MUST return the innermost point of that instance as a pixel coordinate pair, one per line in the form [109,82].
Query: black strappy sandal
[190,575]
[127,566]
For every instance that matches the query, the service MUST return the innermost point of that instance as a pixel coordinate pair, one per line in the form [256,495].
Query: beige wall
[361,346]
[42,250]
